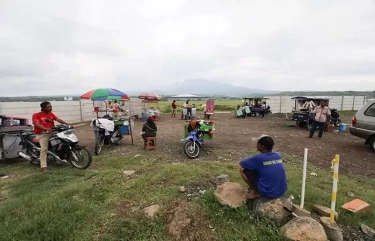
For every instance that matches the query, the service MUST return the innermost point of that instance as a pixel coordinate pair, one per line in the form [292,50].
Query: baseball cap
[260,137]
[265,140]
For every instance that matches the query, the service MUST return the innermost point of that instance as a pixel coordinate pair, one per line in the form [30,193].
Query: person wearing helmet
[43,122]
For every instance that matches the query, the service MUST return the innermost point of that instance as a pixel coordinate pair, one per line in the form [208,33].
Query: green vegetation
[220,105]
[102,204]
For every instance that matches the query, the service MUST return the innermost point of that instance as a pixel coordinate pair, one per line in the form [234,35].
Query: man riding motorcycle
[43,123]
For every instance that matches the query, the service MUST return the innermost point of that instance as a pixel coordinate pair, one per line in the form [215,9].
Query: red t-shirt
[174,105]
[41,118]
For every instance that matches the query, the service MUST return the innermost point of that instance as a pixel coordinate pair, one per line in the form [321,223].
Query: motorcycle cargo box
[205,128]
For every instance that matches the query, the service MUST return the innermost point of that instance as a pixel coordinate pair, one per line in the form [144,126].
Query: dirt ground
[232,140]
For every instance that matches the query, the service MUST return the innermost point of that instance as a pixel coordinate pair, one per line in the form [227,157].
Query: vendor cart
[11,128]
[257,105]
[303,111]
[150,98]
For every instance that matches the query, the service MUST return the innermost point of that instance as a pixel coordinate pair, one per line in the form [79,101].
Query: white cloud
[60,47]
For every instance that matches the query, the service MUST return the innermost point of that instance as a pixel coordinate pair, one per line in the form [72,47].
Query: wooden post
[281,97]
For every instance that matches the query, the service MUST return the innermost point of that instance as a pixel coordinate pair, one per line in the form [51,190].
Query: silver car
[363,124]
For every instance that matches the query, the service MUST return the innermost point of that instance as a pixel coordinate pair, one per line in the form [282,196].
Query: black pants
[315,125]
[252,176]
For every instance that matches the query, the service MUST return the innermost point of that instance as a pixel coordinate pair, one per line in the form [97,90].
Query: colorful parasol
[105,94]
[149,97]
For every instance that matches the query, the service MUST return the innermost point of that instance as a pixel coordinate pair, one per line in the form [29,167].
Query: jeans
[44,142]
[315,125]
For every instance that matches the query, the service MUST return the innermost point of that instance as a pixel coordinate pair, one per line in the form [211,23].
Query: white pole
[304,178]
[334,188]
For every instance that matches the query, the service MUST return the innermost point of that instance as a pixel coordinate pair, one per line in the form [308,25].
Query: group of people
[187,110]
[264,173]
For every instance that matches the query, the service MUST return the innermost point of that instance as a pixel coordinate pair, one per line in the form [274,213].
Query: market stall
[106,100]
[122,120]
[149,110]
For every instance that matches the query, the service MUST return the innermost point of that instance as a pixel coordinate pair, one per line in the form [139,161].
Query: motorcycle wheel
[79,162]
[99,143]
[34,161]
[118,138]
[337,123]
[191,149]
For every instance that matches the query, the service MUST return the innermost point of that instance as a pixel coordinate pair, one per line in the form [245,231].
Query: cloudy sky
[72,46]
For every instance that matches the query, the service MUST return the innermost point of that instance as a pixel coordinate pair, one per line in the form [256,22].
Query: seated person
[149,128]
[193,125]
[264,173]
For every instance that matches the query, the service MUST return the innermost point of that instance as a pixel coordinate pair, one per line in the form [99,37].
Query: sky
[72,46]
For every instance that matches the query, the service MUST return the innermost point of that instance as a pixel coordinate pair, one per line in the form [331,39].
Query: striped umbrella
[149,97]
[105,94]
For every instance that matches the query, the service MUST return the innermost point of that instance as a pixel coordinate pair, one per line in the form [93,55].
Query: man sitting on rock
[264,173]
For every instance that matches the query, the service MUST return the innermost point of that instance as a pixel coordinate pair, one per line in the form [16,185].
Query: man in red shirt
[174,107]
[43,122]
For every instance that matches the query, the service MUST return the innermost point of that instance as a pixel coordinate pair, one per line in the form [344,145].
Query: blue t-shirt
[271,173]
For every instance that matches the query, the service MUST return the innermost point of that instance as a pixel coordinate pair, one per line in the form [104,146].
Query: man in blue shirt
[264,173]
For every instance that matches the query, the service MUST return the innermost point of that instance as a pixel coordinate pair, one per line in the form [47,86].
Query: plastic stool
[150,143]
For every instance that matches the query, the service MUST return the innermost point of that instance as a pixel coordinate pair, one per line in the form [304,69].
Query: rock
[350,194]
[5,177]
[129,172]
[323,211]
[300,212]
[182,189]
[278,209]
[304,228]
[367,230]
[137,155]
[179,223]
[314,174]
[231,194]
[220,179]
[151,210]
[333,231]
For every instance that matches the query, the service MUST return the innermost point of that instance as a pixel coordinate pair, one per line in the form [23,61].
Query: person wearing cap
[264,172]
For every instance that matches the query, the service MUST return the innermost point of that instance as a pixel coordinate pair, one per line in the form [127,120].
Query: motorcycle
[335,118]
[105,135]
[194,141]
[63,148]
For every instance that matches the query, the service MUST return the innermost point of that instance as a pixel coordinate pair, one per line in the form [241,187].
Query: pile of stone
[296,223]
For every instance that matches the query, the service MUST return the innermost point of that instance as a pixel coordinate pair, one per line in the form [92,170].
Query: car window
[370,111]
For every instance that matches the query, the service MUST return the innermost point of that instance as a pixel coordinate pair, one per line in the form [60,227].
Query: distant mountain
[210,88]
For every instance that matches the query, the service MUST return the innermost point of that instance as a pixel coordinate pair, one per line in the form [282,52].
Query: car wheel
[372,144]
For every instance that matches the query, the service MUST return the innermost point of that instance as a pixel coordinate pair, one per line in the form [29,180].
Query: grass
[102,204]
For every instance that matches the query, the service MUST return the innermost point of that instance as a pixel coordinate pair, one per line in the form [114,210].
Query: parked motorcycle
[194,139]
[105,134]
[335,118]
[193,144]
[63,148]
